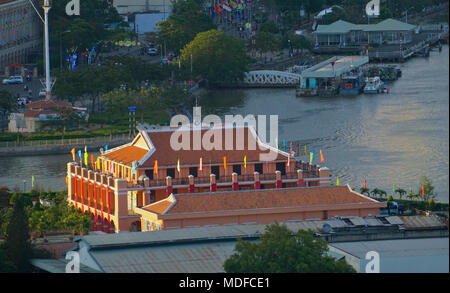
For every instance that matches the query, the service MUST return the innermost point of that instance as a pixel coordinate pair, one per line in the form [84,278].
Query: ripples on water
[385,139]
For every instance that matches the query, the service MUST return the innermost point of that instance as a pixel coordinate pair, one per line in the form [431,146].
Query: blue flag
[79,154]
[133,168]
[106,148]
[284,145]
[314,154]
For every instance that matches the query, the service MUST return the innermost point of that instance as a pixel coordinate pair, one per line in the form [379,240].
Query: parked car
[13,80]
[42,93]
[152,51]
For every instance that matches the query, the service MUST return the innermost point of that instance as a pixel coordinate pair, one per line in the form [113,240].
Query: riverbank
[58,149]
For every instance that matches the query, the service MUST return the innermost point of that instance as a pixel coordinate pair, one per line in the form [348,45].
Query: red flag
[321,157]
[423,191]
[92,160]
[155,168]
[365,184]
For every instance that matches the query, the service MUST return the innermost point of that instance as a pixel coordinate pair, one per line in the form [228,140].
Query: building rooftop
[342,64]
[204,249]
[343,27]
[396,247]
[229,201]
[152,145]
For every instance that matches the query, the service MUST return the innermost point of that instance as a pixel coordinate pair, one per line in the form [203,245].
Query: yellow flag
[337,181]
[245,161]
[155,167]
[178,165]
[310,158]
[86,158]
[225,163]
[305,150]
[98,163]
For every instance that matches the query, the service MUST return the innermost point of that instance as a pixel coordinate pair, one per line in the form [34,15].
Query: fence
[62,142]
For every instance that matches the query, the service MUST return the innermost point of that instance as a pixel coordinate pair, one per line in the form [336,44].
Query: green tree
[269,27]
[279,251]
[266,42]
[186,21]
[401,192]
[216,57]
[17,244]
[7,103]
[385,12]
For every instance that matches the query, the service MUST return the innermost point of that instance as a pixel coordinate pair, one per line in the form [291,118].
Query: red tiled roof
[260,199]
[48,104]
[160,206]
[127,154]
[166,156]
[36,113]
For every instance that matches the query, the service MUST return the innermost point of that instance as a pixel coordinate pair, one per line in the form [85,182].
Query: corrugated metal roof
[394,220]
[397,247]
[58,266]
[415,222]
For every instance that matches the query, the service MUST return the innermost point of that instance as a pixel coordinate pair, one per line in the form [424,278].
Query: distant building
[169,188]
[126,7]
[426,255]
[28,121]
[20,35]
[344,34]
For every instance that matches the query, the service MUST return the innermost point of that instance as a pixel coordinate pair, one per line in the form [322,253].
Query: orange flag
[92,160]
[201,164]
[155,168]
[321,157]
[423,191]
[224,162]
[73,154]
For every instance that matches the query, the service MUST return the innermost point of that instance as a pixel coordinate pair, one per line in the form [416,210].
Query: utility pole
[48,88]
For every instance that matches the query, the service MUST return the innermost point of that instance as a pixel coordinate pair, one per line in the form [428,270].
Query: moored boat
[352,83]
[373,85]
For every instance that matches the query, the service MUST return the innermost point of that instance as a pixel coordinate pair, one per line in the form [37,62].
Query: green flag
[32,182]
[310,158]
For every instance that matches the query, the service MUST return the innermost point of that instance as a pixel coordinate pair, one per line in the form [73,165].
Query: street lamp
[60,47]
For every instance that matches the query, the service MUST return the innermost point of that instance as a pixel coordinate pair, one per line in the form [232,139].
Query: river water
[384,139]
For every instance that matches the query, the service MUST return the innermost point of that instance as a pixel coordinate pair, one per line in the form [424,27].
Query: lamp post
[48,88]
[60,47]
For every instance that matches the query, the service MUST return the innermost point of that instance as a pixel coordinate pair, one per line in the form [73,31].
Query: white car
[153,51]
[13,80]
[42,93]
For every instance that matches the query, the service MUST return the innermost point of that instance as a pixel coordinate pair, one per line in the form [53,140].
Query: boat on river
[373,85]
[352,83]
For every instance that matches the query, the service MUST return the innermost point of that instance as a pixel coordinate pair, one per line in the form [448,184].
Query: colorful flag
[284,145]
[337,181]
[133,167]
[155,167]
[73,154]
[178,166]
[201,164]
[289,159]
[85,149]
[226,7]
[92,160]
[310,158]
[32,182]
[106,148]
[423,191]
[98,163]
[305,150]
[80,155]
[314,154]
[233,4]
[86,159]
[225,163]
[298,149]
[290,147]
[245,162]
[365,184]
[321,157]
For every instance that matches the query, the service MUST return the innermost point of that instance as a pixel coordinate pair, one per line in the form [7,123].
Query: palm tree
[401,192]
